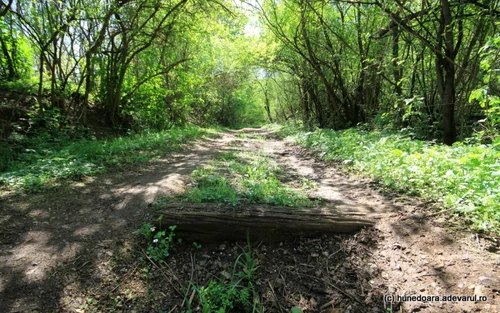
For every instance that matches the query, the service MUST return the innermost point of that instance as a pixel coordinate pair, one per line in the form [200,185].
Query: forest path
[51,241]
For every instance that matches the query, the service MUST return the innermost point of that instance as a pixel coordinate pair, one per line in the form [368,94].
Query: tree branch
[147,78]
[5,7]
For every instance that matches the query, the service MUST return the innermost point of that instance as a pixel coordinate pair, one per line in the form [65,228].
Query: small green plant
[246,265]
[219,297]
[196,245]
[89,302]
[158,204]
[159,243]
[237,293]
[147,230]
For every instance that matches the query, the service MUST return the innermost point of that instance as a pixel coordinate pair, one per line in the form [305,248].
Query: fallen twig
[275,297]
[324,306]
[123,279]
[344,293]
[165,274]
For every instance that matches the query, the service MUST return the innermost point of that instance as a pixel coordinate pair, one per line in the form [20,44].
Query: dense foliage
[140,64]
[398,64]
[428,65]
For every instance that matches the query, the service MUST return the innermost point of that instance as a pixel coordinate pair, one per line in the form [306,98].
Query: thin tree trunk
[448,64]
[40,81]
[11,70]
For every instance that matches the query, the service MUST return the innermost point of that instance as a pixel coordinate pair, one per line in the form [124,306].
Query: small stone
[313,302]
[478,290]
[371,269]
[397,246]
[226,274]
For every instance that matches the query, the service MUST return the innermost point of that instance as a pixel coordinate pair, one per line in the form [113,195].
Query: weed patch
[36,162]
[232,292]
[244,178]
[463,177]
[159,243]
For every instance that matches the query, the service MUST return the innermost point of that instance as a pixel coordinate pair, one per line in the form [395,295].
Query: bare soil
[72,249]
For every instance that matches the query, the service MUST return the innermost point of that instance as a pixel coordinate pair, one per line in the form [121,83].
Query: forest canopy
[429,66]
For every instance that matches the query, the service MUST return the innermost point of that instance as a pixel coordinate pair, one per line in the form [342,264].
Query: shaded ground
[71,249]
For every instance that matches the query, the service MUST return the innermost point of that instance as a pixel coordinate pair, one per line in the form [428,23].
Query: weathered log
[214,222]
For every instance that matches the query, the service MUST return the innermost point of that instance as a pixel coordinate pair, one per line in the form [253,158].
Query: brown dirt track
[72,249]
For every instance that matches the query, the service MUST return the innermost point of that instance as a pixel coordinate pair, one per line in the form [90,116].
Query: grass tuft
[244,178]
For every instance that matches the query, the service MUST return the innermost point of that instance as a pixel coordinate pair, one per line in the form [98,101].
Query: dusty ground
[72,249]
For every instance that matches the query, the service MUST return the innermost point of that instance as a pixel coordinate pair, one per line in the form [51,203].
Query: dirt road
[60,246]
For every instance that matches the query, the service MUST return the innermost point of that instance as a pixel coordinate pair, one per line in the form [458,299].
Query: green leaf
[476,95]
[397,152]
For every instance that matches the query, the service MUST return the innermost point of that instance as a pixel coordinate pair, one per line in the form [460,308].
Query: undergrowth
[159,242]
[244,178]
[235,292]
[462,177]
[37,161]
